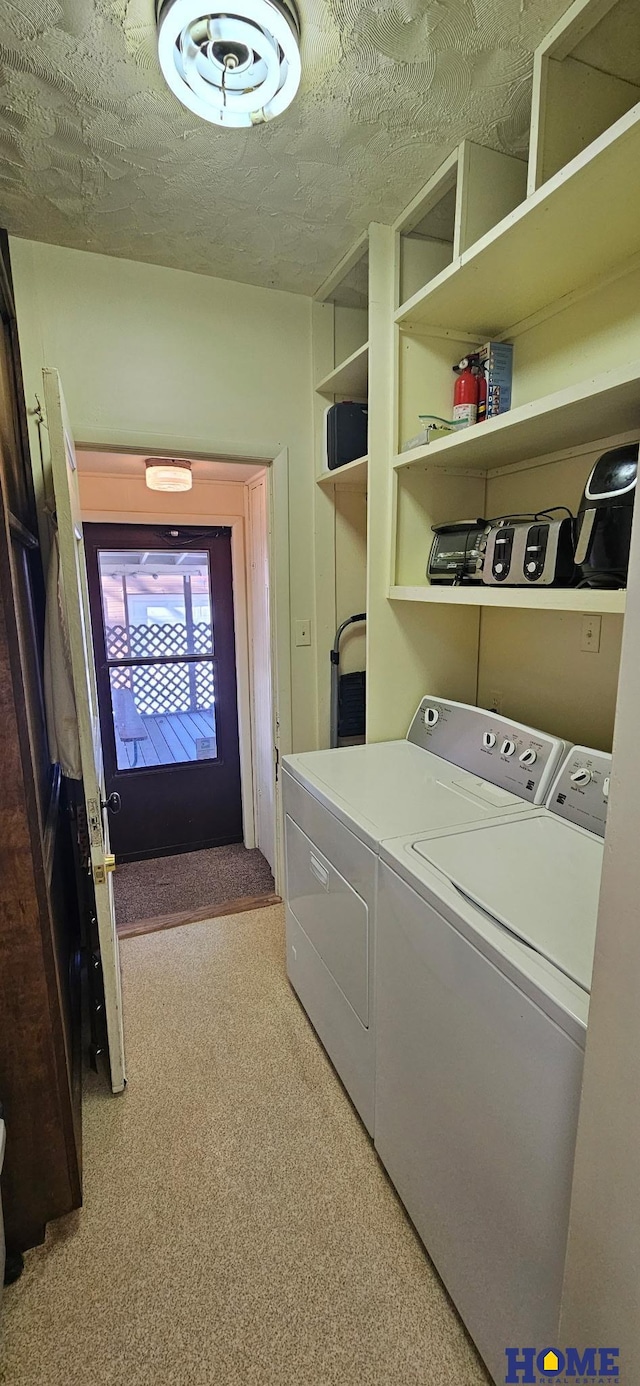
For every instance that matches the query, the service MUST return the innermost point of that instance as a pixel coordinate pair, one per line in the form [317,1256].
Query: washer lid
[538,877]
[393,787]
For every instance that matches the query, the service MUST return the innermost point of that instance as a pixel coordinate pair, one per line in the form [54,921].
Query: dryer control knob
[529,757]
[581,776]
[508,747]
[489,740]
[431,716]
[498,568]
[605,787]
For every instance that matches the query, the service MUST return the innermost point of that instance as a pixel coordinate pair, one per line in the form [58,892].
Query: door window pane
[155,602]
[163,714]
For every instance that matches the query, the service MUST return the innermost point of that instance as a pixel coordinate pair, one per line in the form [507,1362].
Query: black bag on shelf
[346,433]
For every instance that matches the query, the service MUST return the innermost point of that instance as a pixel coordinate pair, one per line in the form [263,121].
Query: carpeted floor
[238,1229]
[189,881]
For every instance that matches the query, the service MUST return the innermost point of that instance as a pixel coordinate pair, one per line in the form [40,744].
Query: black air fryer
[605,517]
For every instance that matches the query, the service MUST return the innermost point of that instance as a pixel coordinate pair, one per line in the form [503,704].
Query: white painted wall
[601,1301]
[161,359]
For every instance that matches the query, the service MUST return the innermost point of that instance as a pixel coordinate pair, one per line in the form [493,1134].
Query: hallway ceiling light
[168,474]
[236,67]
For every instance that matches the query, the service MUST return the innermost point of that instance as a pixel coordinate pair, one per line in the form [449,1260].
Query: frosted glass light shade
[168,474]
[237,66]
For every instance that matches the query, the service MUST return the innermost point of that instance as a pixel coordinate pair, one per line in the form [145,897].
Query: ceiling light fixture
[236,67]
[168,474]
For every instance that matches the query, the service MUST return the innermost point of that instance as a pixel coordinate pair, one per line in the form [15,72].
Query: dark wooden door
[163,631]
[40,1031]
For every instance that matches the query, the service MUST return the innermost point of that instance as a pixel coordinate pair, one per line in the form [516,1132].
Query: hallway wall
[162,359]
[103,497]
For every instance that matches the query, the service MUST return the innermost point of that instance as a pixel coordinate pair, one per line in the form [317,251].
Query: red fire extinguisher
[465,395]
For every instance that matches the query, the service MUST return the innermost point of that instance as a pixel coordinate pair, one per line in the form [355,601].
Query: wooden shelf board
[577,227]
[349,378]
[595,408]
[524,599]
[353,473]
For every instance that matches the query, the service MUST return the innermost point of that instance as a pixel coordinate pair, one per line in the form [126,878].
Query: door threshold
[172,921]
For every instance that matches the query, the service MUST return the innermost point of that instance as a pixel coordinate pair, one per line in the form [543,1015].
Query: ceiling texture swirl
[97,153]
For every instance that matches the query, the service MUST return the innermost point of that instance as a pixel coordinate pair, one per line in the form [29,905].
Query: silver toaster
[534,552]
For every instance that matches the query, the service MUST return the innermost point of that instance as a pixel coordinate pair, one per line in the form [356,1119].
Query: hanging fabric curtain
[60,706]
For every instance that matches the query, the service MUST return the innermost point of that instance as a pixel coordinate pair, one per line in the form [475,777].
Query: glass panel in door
[159,641]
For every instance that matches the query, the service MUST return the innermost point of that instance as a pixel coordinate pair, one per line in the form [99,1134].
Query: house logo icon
[570,1366]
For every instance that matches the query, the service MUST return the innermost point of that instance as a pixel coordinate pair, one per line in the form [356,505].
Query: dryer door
[332,915]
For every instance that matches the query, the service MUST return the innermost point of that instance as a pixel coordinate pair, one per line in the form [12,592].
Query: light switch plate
[590,640]
[302,631]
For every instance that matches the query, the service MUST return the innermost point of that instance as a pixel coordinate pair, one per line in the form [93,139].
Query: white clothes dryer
[457,765]
[485,941]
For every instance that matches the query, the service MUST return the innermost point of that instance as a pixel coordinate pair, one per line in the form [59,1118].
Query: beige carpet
[238,1229]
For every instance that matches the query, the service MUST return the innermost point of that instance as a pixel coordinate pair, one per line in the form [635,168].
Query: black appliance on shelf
[457,551]
[605,518]
[345,433]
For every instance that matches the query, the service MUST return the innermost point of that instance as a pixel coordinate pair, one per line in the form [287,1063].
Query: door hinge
[276,753]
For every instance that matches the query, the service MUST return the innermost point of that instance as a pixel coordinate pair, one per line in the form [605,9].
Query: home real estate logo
[575,1366]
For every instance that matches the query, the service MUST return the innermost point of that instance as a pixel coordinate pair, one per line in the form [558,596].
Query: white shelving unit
[472,190]
[586,75]
[553,267]
[544,255]
[517,598]
[581,225]
[352,474]
[595,408]
[350,379]
[340,332]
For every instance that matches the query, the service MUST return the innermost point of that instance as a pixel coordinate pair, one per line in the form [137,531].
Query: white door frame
[275,459]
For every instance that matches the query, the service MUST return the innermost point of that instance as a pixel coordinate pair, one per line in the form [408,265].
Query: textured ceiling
[96,152]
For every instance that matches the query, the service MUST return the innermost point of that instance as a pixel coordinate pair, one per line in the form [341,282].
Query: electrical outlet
[495,702]
[590,638]
[303,632]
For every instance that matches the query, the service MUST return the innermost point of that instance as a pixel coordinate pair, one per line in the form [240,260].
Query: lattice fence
[162,688]
[165,639]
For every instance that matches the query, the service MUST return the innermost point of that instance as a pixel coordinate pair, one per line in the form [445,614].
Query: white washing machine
[458,764]
[485,940]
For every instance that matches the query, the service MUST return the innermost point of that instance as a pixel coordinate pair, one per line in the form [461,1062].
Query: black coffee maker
[605,517]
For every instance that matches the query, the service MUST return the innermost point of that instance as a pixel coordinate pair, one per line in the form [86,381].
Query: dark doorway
[163,632]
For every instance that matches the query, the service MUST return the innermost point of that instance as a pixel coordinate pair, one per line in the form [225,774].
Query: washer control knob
[431,716]
[508,747]
[581,777]
[531,567]
[489,740]
[498,568]
[529,757]
[605,787]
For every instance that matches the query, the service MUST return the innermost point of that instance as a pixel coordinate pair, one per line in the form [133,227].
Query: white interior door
[76,607]
[263,731]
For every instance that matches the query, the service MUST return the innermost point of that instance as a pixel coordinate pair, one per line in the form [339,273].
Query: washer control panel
[517,758]
[581,789]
